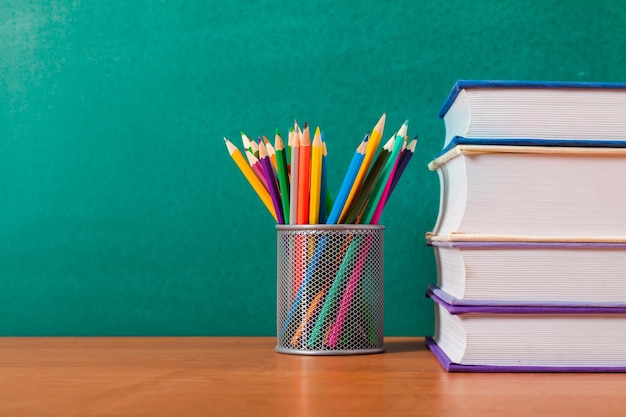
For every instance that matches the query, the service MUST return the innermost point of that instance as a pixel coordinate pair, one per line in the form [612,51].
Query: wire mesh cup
[330,289]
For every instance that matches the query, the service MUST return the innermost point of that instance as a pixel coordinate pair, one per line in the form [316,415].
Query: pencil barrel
[330,289]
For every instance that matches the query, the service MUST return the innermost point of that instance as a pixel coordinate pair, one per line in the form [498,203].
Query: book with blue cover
[534,338]
[519,112]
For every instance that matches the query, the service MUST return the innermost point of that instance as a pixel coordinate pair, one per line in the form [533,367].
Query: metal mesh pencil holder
[330,289]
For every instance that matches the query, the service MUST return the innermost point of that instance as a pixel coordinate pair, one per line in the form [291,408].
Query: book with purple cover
[450,366]
[539,338]
[518,272]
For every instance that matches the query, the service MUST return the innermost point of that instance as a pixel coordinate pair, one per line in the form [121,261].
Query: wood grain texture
[245,376]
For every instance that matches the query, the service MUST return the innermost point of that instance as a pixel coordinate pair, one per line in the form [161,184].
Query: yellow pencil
[316,177]
[254,181]
[372,146]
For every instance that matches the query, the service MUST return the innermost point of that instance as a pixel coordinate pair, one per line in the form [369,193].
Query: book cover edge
[455,306]
[463,84]
[450,366]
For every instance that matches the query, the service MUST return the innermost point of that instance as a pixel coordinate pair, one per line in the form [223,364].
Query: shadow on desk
[402,346]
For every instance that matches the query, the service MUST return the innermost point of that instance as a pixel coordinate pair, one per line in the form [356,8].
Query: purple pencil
[270,177]
[404,161]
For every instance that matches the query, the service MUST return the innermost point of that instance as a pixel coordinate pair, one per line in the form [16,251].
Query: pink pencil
[385,194]
[256,167]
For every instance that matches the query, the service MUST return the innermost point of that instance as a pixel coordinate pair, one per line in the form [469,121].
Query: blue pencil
[348,180]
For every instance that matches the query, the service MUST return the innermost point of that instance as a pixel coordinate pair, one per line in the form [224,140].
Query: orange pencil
[304,176]
[307,317]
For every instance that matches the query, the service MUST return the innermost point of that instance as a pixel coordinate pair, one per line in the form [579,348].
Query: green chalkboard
[121,212]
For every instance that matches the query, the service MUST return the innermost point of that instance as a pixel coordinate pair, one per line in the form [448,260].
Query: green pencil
[368,212]
[370,181]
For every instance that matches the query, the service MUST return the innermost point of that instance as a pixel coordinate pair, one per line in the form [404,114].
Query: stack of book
[530,241]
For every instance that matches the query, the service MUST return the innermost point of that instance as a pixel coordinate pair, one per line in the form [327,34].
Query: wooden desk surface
[245,376]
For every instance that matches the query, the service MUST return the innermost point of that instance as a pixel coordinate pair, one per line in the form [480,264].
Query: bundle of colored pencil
[292,182]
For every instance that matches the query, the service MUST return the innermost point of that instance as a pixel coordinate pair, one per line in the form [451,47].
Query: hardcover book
[529,109]
[557,192]
[528,272]
[540,338]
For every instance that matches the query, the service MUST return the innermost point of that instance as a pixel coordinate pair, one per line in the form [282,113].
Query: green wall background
[121,212]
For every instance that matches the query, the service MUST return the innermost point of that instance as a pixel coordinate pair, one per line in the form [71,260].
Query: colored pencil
[317,149]
[324,319]
[366,190]
[404,161]
[323,185]
[320,247]
[253,180]
[283,175]
[383,198]
[372,146]
[348,294]
[245,140]
[268,170]
[256,167]
[248,150]
[307,317]
[250,145]
[293,197]
[304,175]
[271,152]
[379,188]
[348,181]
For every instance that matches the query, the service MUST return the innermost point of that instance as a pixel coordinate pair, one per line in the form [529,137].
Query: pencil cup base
[329,352]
